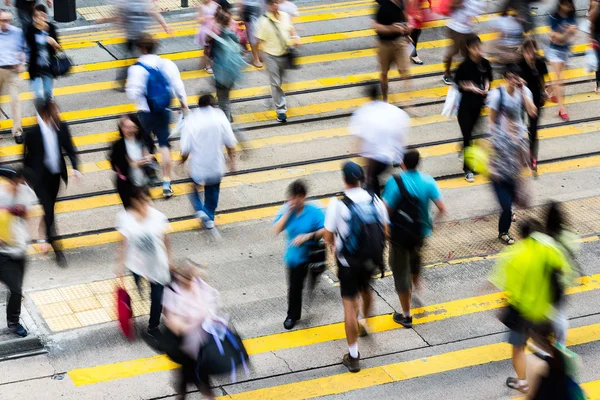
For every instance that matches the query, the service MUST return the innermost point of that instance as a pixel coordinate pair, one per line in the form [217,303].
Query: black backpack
[406,219]
[364,245]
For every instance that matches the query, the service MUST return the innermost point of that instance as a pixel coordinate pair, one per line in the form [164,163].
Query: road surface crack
[283,359]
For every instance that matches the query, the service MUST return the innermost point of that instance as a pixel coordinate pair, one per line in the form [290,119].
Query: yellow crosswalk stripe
[343,382]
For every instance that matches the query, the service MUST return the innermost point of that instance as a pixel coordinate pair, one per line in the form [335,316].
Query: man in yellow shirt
[275,32]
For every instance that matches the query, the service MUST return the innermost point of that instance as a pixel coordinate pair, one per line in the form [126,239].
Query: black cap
[353,173]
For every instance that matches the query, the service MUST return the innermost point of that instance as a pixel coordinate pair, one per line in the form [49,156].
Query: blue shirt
[309,220]
[559,24]
[419,185]
[13,46]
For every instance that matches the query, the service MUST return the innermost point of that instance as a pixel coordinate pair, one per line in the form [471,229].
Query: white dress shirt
[137,78]
[52,150]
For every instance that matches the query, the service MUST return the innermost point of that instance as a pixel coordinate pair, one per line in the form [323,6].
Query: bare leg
[350,319]
[558,88]
[166,162]
[383,79]
[519,361]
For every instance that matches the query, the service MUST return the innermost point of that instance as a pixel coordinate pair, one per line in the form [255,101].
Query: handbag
[125,313]
[291,53]
[60,64]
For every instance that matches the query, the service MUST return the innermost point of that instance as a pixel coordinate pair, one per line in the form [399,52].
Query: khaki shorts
[393,52]
[459,44]
[404,263]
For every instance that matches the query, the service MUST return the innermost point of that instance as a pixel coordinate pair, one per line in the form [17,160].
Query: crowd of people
[356,227]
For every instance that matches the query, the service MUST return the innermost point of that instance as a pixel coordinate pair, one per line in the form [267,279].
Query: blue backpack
[158,89]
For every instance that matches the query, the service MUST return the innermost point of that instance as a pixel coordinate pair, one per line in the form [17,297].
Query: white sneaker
[470,177]
[202,216]
[209,223]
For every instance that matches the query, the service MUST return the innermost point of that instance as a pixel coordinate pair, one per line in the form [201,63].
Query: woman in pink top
[206,17]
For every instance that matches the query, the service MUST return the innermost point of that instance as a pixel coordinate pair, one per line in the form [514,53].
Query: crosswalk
[456,334]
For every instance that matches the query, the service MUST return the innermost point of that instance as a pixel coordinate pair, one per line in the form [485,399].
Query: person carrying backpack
[355,227]
[151,83]
[407,198]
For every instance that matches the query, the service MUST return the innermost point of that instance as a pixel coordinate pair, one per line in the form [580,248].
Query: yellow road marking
[339,383]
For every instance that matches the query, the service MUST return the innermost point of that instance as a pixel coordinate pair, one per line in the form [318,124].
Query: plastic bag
[178,126]
[591,60]
[452,103]
[477,159]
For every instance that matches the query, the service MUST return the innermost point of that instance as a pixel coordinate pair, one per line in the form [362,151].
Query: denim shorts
[557,55]
[157,123]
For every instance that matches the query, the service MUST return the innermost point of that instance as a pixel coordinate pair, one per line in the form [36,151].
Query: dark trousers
[597,38]
[414,36]
[533,134]
[11,273]
[156,296]
[374,169]
[125,190]
[505,192]
[223,100]
[47,192]
[468,115]
[211,199]
[296,277]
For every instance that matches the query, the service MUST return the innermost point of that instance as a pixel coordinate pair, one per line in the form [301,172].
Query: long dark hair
[136,121]
[555,220]
[571,14]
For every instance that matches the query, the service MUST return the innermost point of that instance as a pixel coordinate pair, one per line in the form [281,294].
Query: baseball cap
[353,173]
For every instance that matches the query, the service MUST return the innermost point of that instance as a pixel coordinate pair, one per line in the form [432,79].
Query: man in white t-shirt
[206,131]
[354,279]
[16,198]
[382,129]
[458,28]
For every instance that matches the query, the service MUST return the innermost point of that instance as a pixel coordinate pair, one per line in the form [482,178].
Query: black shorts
[353,280]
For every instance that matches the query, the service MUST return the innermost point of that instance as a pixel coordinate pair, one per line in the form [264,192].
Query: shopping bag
[591,60]
[178,126]
[452,102]
[477,159]
[124,313]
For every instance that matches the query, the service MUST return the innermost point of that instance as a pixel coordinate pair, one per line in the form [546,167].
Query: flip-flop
[513,383]
[256,66]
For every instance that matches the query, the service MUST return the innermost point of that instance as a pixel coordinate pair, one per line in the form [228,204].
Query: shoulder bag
[291,53]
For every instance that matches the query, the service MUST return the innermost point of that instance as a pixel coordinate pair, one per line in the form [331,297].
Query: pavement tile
[46,297]
[92,317]
[101,287]
[84,304]
[55,309]
[75,292]
[63,322]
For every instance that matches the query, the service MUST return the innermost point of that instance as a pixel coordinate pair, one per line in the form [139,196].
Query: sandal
[506,239]
[513,217]
[517,384]
[416,60]
[563,115]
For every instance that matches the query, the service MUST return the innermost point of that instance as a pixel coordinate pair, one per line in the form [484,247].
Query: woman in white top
[506,48]
[144,250]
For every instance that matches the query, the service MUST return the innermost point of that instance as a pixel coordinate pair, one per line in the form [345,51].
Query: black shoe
[61,260]
[353,364]
[19,138]
[17,329]
[402,320]
[447,80]
[289,323]
[154,333]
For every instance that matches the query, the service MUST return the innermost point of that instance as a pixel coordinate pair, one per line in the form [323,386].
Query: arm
[389,29]
[176,83]
[159,18]
[329,240]
[441,206]
[167,242]
[69,147]
[121,251]
[279,226]
[530,107]
[294,35]
[136,85]
[301,239]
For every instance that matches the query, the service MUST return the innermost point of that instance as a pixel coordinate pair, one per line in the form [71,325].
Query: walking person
[459,26]
[409,194]
[42,41]
[594,17]
[382,130]
[303,224]
[473,78]
[16,199]
[416,18]
[251,11]
[134,18]
[506,49]
[43,155]
[523,274]
[276,32]
[144,250]
[205,133]
[25,11]
[355,231]
[206,17]
[391,26]
[131,156]
[12,58]
[508,104]
[564,29]
[151,83]
[534,73]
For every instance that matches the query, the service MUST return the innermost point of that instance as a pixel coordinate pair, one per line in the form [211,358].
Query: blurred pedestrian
[251,11]
[25,10]
[131,156]
[506,48]
[144,249]
[226,58]
[473,78]
[42,41]
[508,106]
[43,155]
[16,200]
[276,32]
[134,18]
[205,133]
[534,73]
[355,231]
[206,11]
[382,130]
[525,275]
[12,58]
[459,26]
[303,224]
[289,7]
[391,26]
[594,17]
[523,12]
[407,198]
[416,17]
[564,29]
[151,83]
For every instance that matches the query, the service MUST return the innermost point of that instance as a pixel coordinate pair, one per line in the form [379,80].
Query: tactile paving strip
[105,11]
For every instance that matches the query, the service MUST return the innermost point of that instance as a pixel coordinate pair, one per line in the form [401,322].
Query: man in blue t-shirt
[303,224]
[405,261]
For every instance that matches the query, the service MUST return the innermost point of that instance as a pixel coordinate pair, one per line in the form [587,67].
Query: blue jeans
[211,199]
[505,192]
[43,86]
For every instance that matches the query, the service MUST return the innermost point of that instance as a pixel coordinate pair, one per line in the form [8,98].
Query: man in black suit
[43,151]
